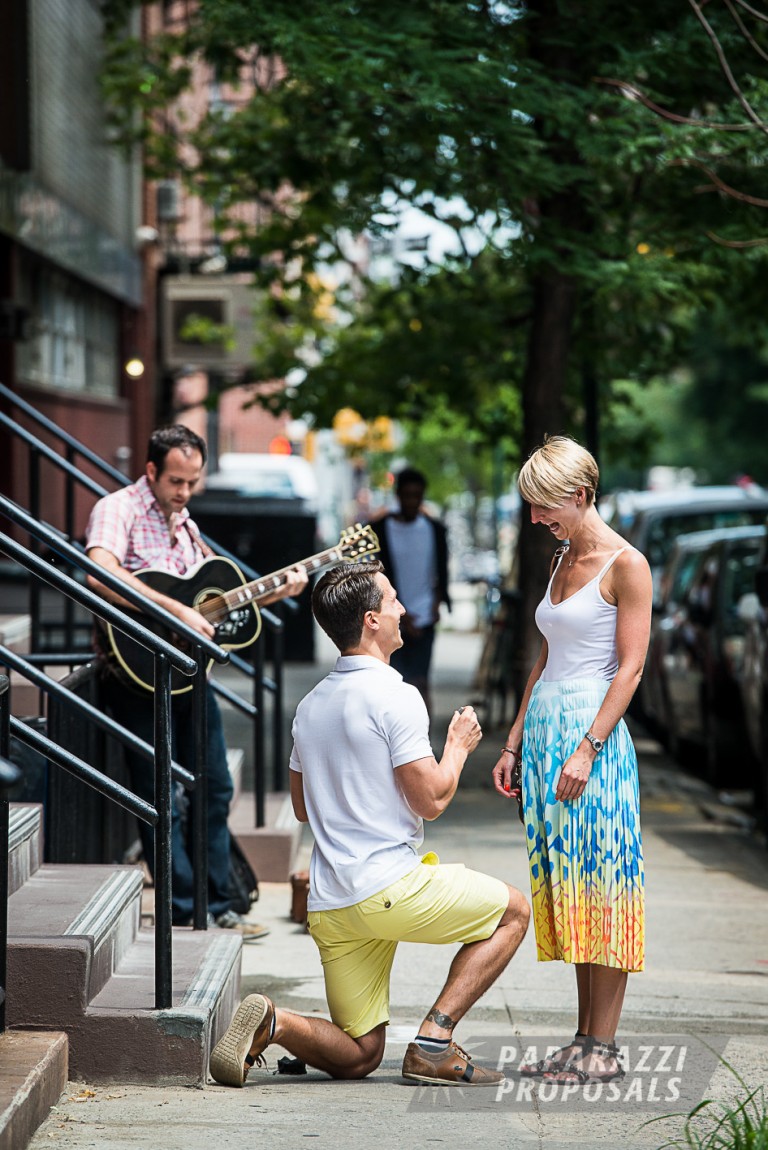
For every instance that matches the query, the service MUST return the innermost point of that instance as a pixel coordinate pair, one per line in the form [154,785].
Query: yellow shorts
[432,903]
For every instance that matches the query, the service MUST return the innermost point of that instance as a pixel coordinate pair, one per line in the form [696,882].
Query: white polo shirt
[350,734]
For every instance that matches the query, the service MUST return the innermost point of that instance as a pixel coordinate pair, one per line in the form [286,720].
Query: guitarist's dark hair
[341,598]
[164,439]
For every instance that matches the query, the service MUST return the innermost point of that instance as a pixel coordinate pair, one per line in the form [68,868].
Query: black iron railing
[9,775]
[68,459]
[166,658]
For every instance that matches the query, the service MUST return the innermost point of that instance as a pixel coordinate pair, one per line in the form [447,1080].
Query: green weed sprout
[715,1125]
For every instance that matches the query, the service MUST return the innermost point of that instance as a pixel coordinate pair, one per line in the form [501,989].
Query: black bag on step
[243,884]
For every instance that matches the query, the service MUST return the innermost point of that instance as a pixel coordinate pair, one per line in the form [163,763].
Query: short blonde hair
[556,470]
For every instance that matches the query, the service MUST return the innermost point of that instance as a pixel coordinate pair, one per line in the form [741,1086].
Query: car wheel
[679,749]
[715,769]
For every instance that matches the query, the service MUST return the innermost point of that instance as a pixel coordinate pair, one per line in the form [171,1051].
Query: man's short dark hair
[164,439]
[409,476]
[341,598]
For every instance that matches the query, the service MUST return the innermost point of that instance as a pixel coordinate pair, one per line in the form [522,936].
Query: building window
[75,335]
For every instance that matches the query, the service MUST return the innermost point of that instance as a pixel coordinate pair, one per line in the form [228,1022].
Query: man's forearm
[450,767]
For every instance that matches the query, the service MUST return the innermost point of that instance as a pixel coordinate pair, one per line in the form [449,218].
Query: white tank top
[580,632]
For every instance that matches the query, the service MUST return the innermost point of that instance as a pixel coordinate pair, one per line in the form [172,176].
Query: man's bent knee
[371,1048]
[518,911]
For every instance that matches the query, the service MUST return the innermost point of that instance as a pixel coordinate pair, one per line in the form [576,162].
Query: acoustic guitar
[217,588]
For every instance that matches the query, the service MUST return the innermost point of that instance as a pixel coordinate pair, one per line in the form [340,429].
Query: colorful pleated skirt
[585,855]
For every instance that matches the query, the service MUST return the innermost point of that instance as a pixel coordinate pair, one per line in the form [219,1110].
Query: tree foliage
[501,108]
[510,122]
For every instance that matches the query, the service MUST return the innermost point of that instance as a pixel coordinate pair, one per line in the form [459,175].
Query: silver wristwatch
[597,744]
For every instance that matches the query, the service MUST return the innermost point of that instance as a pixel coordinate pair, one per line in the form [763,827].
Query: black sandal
[553,1063]
[582,1077]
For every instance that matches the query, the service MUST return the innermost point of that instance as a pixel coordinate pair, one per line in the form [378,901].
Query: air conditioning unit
[168,201]
[220,302]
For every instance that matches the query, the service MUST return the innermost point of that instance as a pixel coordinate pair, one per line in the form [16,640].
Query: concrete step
[235,761]
[33,1074]
[15,631]
[25,843]
[68,929]
[27,700]
[271,850]
[122,1038]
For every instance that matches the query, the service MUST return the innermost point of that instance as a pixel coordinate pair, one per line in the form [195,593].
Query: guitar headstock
[356,542]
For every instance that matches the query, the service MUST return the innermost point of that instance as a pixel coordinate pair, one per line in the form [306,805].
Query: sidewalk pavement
[705,986]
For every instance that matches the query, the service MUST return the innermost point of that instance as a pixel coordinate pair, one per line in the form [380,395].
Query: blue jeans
[136,712]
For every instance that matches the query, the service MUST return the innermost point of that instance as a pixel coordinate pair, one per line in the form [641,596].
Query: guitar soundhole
[212,600]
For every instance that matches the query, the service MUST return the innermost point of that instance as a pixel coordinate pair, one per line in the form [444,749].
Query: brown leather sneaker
[451,1067]
[244,1041]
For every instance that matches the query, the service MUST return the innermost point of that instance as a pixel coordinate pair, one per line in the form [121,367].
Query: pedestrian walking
[414,551]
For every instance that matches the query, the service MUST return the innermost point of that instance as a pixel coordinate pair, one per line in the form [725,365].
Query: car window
[739,569]
[687,567]
[663,530]
[703,588]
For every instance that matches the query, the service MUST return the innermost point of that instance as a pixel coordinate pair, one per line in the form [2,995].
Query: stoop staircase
[78,962]
[85,980]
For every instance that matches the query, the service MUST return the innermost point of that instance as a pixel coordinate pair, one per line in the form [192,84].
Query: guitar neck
[259,589]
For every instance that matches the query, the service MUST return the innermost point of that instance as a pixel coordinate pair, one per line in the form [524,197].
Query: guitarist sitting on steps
[147,525]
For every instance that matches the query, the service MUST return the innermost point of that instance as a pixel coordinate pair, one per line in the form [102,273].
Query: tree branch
[726,69]
[753,11]
[745,31]
[719,185]
[736,243]
[632,92]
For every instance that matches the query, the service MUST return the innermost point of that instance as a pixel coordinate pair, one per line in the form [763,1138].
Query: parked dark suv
[753,611]
[651,701]
[702,644]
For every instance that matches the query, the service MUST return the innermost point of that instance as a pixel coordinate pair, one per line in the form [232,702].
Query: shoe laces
[257,1060]
[463,1054]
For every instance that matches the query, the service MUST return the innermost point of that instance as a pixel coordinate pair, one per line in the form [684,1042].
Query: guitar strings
[216,608]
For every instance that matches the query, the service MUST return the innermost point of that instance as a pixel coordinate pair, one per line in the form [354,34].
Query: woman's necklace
[577,557]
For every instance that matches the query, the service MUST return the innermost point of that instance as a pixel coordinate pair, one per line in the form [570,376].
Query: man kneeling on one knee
[363,776]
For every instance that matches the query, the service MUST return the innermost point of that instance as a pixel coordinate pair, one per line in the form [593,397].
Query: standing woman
[578,765]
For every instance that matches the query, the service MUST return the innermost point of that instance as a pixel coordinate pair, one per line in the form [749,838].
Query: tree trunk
[543,389]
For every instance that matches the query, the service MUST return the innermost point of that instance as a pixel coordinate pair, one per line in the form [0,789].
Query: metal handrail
[98,606]
[62,435]
[106,469]
[272,622]
[57,690]
[165,657]
[5,742]
[53,456]
[94,778]
[95,604]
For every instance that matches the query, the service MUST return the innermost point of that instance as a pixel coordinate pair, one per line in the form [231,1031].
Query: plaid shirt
[130,525]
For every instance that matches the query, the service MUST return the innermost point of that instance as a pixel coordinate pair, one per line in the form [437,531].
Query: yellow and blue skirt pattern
[585,855]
